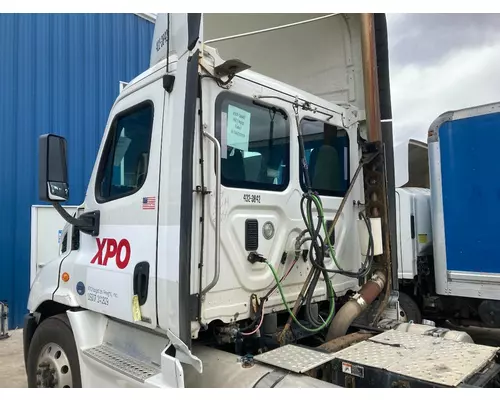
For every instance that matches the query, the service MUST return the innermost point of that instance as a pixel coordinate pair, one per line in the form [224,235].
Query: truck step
[294,358]
[122,362]
[419,357]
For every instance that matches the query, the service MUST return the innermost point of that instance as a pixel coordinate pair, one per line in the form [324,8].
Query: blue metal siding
[59,73]
[471,192]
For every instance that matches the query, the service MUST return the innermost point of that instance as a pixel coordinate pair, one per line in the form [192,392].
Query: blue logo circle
[80,288]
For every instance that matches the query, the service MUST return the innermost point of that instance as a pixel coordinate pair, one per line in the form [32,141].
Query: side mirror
[52,169]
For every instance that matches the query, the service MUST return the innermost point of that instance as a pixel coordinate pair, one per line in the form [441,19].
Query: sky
[440,62]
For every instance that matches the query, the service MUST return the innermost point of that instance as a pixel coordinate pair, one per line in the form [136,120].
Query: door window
[255,143]
[124,164]
[327,156]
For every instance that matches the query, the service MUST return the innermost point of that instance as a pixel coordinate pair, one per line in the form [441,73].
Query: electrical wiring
[317,260]
[258,326]
[262,301]
[365,268]
[317,247]
[331,296]
[290,269]
[285,273]
[260,314]
[310,200]
[273,290]
[316,256]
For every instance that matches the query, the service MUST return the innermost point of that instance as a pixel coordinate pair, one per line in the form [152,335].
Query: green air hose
[319,207]
[365,269]
[331,294]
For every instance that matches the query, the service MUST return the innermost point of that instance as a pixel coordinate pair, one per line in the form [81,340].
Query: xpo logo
[108,248]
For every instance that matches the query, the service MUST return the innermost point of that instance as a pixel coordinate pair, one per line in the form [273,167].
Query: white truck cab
[199,166]
[220,200]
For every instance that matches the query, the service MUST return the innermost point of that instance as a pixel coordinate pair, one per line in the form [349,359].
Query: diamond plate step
[294,358]
[121,362]
[427,358]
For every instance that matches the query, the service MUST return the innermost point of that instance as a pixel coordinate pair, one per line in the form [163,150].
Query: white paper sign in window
[238,128]
[121,149]
[223,139]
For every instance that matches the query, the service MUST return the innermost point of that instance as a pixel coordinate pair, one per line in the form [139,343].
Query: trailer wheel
[410,308]
[52,356]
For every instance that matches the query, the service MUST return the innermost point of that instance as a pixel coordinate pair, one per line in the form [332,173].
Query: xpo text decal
[109,248]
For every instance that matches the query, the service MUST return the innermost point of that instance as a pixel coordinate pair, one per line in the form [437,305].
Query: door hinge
[194,306]
[201,190]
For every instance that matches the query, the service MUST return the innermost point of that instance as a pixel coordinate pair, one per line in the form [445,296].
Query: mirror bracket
[87,223]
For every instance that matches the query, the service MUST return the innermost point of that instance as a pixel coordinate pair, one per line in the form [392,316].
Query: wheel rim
[53,368]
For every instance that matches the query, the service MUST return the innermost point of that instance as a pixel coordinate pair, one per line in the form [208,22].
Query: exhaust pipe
[356,305]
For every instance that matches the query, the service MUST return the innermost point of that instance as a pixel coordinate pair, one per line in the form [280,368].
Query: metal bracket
[194,303]
[201,190]
[436,332]
[393,298]
[377,206]
[183,353]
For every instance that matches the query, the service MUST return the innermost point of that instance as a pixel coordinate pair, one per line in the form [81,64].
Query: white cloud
[464,78]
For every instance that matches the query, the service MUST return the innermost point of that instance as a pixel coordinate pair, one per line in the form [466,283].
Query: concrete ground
[12,373]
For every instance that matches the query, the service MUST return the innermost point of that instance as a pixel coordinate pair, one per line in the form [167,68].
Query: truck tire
[410,308]
[53,356]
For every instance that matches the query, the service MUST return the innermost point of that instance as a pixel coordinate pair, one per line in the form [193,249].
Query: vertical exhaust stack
[376,190]
[356,305]
[369,54]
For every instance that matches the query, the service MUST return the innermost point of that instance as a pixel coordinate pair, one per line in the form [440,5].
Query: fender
[46,287]
[44,284]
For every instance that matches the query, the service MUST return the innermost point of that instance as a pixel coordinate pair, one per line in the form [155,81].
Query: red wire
[290,269]
[258,326]
[262,316]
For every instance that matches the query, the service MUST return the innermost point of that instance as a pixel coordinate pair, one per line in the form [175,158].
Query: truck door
[261,194]
[120,263]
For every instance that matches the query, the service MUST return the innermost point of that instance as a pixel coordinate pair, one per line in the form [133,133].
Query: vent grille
[251,234]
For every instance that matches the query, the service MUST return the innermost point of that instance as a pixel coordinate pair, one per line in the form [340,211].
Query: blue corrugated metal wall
[59,73]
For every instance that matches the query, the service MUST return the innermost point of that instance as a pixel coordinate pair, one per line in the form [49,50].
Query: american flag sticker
[148,203]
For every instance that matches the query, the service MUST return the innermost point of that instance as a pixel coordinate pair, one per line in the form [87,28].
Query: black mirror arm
[87,223]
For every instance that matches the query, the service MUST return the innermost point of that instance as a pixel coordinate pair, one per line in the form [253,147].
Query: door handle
[217,210]
[141,281]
